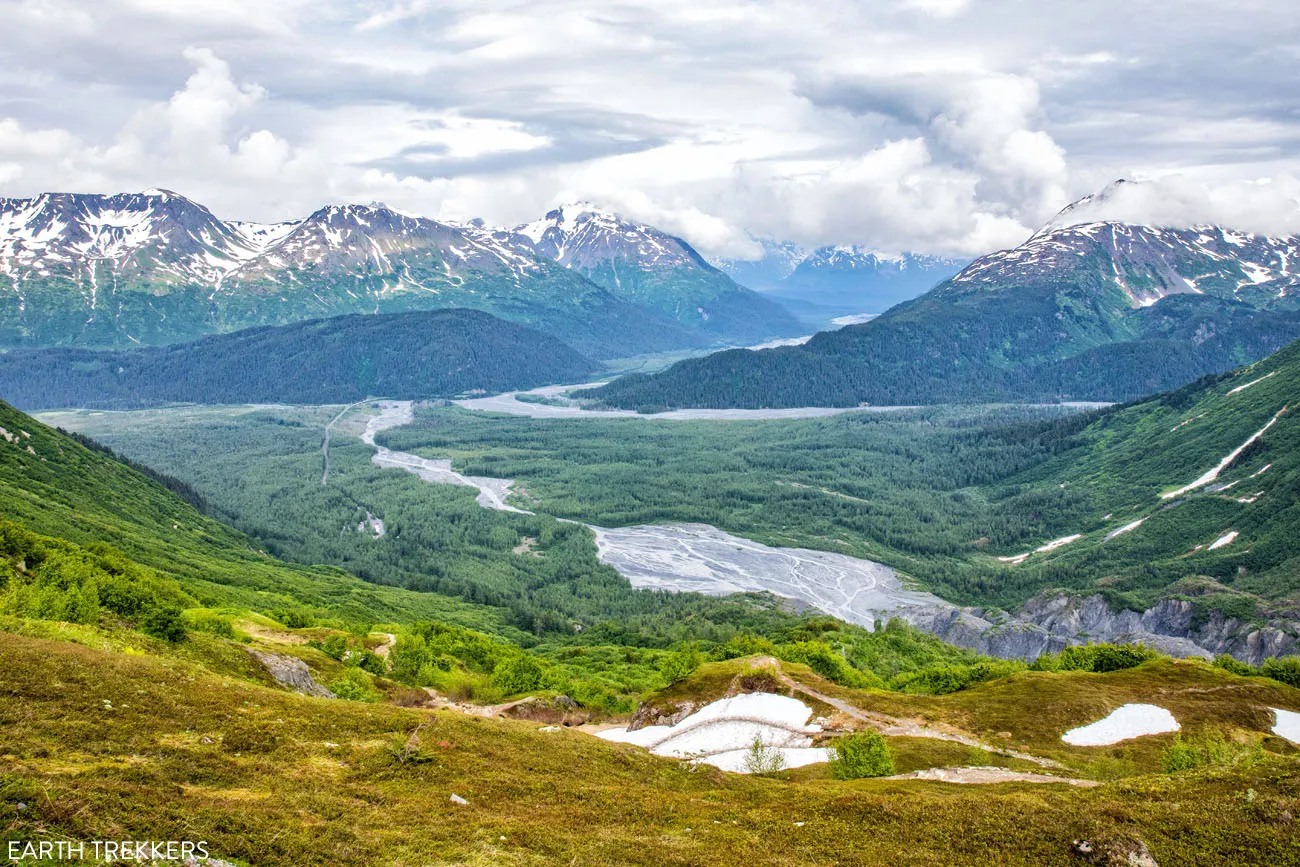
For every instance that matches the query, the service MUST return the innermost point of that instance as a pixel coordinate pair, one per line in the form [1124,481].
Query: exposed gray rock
[291,672]
[1048,623]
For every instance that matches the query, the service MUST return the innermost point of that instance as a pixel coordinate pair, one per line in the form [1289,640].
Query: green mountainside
[1101,311]
[943,493]
[339,360]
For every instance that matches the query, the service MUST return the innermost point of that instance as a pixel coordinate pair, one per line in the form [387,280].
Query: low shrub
[354,685]
[859,755]
[1209,748]
[209,621]
[1095,658]
[1286,670]
[1228,663]
[944,679]
[680,665]
[762,760]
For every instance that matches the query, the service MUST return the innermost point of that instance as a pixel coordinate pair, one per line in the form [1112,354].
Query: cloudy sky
[932,125]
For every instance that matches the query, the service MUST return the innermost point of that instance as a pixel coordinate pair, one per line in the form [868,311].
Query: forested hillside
[953,497]
[1009,348]
[340,360]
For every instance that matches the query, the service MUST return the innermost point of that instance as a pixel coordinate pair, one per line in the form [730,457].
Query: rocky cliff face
[1046,624]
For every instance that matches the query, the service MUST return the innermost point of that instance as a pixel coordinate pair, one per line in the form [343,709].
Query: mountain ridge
[1093,311]
[113,271]
[419,355]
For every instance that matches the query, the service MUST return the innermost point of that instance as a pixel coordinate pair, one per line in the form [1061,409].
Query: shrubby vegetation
[1209,748]
[1095,657]
[1284,669]
[43,578]
[943,679]
[861,754]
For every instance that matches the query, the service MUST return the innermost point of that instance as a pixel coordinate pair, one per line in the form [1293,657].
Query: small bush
[859,755]
[1228,663]
[1095,658]
[762,759]
[827,661]
[743,644]
[371,662]
[517,674]
[680,665]
[292,619]
[335,646]
[209,621]
[1286,670]
[1207,749]
[944,679]
[354,685]
[163,621]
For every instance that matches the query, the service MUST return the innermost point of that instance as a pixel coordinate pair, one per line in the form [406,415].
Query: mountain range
[832,282]
[95,271]
[1097,310]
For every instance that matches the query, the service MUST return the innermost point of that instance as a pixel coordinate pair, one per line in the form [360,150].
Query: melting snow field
[1129,721]
[721,733]
[1042,549]
[1213,474]
[1287,724]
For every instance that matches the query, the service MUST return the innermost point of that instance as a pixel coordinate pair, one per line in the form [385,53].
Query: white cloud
[938,8]
[1268,206]
[934,125]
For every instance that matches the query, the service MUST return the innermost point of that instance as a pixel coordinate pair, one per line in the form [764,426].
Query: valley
[649,434]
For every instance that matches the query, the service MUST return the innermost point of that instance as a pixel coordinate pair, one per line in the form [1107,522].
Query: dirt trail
[892,726]
[389,640]
[986,775]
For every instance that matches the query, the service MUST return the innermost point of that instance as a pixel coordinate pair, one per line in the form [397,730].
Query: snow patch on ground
[1287,724]
[1252,382]
[1213,474]
[1223,541]
[1041,549]
[1129,721]
[1124,529]
[721,733]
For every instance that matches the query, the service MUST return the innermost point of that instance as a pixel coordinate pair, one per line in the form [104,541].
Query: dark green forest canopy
[347,358]
[1040,342]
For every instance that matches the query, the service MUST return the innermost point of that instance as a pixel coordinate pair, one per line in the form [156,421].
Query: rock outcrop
[1048,623]
[291,672]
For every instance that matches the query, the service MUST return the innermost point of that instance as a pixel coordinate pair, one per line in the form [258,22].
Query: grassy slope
[1127,459]
[272,778]
[60,488]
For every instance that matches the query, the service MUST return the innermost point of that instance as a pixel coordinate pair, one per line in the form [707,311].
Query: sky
[936,126]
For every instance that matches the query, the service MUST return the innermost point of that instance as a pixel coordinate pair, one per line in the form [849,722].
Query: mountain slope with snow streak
[641,264]
[152,268]
[1081,311]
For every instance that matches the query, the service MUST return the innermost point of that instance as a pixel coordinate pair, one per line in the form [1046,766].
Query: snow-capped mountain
[764,274]
[1085,309]
[834,281]
[155,235]
[1148,263]
[156,267]
[644,265]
